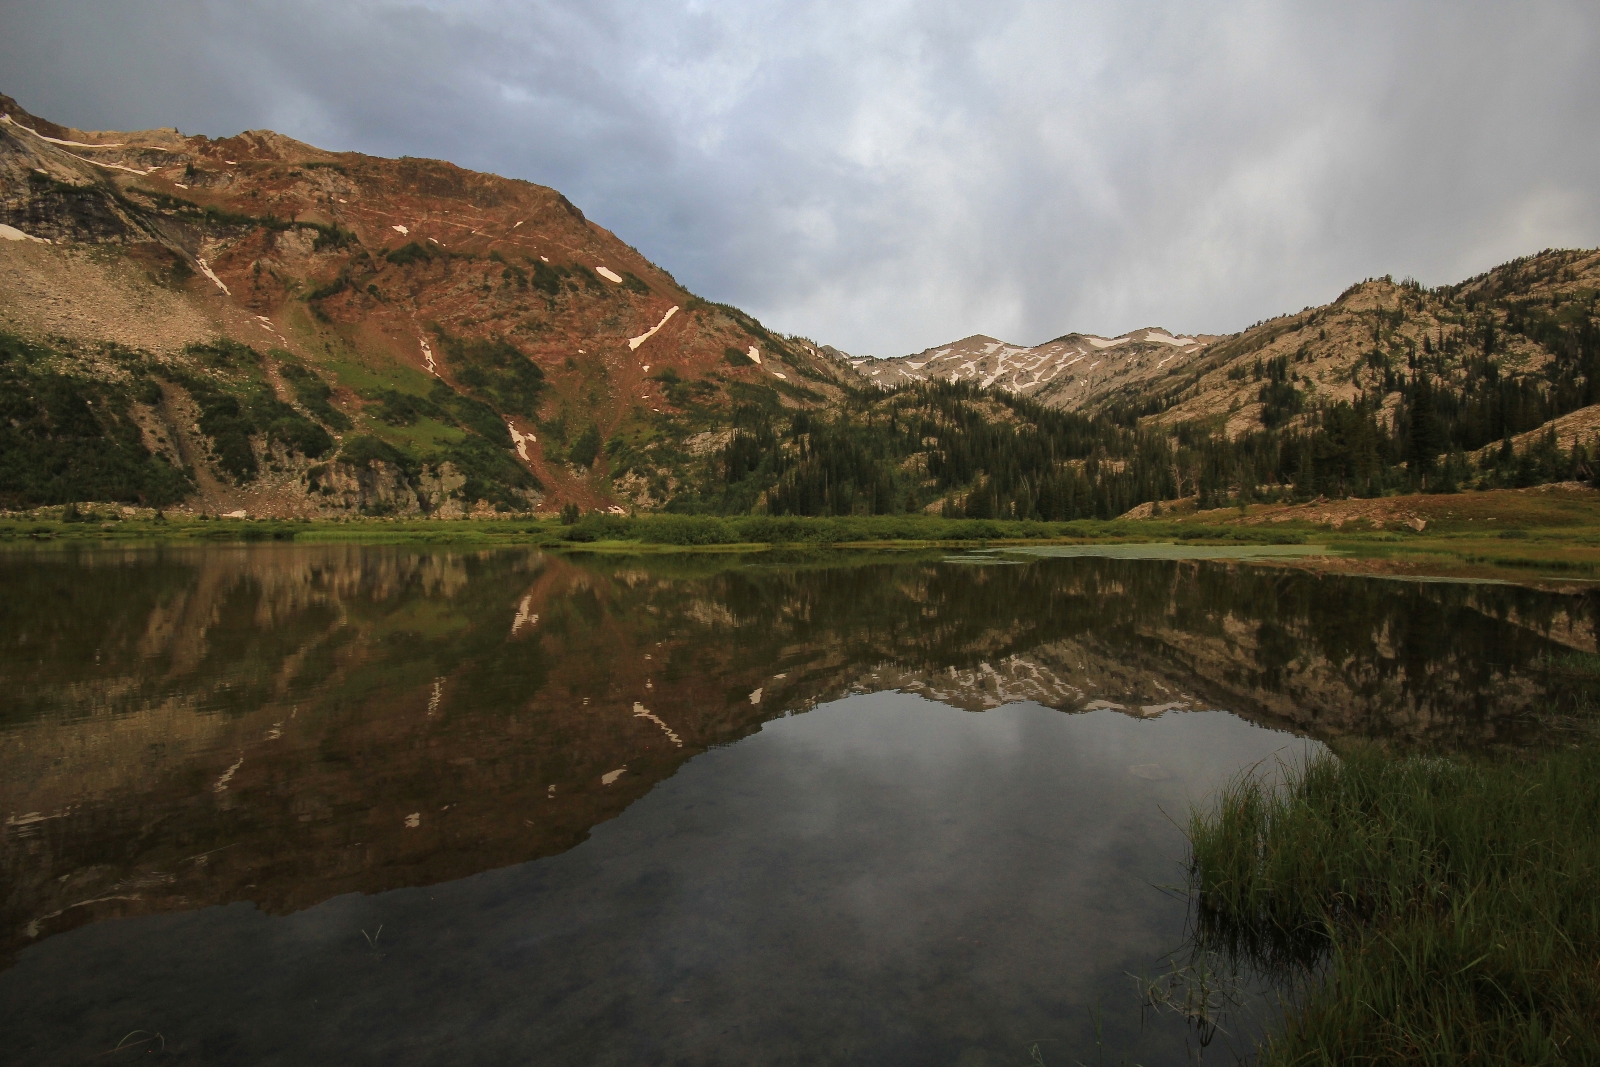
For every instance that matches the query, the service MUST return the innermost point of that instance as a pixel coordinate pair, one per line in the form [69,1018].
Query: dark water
[339,805]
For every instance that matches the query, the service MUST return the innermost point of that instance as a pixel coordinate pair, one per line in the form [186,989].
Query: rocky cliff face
[454,318]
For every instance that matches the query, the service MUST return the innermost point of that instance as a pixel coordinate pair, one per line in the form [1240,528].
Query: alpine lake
[360,805]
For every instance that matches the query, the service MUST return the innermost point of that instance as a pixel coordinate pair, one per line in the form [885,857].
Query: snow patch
[413,820]
[755,698]
[109,166]
[427,354]
[401,230]
[780,374]
[611,776]
[1101,342]
[8,121]
[635,342]
[240,514]
[11,233]
[206,270]
[522,445]
[754,354]
[608,274]
[1168,339]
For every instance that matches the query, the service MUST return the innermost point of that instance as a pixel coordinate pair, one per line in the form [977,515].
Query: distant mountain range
[1068,372]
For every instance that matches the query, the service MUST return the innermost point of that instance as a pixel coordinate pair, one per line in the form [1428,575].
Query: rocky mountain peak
[1069,372]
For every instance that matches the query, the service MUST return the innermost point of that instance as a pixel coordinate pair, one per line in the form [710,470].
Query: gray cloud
[889,176]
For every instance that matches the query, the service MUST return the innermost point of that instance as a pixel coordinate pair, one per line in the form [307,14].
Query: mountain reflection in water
[285,725]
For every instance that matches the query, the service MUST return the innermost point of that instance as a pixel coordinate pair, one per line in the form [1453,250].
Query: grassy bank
[1422,911]
[1516,536]
[615,531]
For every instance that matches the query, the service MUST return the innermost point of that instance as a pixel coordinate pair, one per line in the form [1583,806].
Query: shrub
[496,370]
[586,448]
[409,253]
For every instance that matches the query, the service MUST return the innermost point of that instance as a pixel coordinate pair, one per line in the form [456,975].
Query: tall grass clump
[1427,911]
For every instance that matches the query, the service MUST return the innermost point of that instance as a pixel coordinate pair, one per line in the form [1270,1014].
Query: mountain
[1070,372]
[252,323]
[1393,386]
[1510,350]
[256,326]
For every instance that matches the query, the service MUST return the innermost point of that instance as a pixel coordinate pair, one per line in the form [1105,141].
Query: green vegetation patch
[1431,911]
[65,437]
[411,252]
[314,394]
[496,371]
[232,411]
[792,529]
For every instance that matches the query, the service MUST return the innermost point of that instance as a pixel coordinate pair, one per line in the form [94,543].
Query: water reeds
[1419,911]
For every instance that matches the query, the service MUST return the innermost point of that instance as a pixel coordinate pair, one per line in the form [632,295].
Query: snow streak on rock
[519,439]
[206,270]
[11,233]
[635,342]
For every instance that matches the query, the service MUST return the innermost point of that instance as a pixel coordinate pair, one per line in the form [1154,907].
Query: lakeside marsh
[1509,535]
[1413,910]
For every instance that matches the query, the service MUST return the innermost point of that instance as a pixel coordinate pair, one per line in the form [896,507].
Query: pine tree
[1425,438]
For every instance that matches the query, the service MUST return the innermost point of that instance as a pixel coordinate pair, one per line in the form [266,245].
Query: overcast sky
[886,176]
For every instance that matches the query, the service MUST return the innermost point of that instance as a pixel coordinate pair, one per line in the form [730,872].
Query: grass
[1561,542]
[1419,911]
[651,532]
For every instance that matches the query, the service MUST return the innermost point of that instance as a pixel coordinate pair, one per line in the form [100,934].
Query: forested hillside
[1394,387]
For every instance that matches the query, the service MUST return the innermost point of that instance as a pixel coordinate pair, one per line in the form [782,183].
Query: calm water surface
[339,805]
